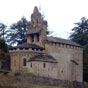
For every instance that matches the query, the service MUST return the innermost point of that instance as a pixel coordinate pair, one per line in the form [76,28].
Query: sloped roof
[27,45]
[63,41]
[43,58]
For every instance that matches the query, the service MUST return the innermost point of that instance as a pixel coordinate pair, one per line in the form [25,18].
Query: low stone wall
[49,81]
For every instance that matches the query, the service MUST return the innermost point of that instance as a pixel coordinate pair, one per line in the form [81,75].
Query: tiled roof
[43,58]
[63,41]
[27,45]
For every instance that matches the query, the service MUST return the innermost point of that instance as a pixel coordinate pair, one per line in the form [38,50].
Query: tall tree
[80,32]
[17,32]
[80,35]
[3,46]
[4,56]
[85,63]
[3,30]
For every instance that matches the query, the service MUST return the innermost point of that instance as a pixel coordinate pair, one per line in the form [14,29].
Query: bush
[17,74]
[3,46]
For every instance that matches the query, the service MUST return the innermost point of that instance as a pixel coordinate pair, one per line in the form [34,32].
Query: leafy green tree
[85,63]
[17,32]
[80,32]
[3,46]
[3,30]
[80,35]
[4,56]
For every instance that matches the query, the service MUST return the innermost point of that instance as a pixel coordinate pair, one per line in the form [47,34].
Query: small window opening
[38,37]
[62,71]
[24,62]
[41,49]
[31,65]
[26,48]
[44,65]
[15,63]
[32,38]
[32,48]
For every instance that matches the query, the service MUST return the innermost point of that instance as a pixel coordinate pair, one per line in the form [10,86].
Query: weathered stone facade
[69,61]
[47,56]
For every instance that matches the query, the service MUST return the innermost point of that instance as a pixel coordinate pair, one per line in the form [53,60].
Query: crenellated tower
[37,29]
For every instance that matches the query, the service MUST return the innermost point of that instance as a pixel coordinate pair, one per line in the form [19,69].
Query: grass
[30,85]
[10,81]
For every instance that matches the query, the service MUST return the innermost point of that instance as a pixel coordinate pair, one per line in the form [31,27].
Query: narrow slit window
[38,37]
[44,65]
[31,65]
[24,62]
[32,38]
[15,63]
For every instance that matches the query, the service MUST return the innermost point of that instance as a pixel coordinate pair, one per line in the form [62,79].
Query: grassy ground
[26,85]
[11,82]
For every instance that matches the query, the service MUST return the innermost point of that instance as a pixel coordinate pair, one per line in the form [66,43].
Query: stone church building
[47,56]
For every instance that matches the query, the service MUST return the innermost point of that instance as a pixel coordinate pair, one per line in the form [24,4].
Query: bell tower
[37,28]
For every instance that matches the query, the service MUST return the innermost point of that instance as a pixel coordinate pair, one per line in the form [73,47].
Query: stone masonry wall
[67,70]
[50,81]
[50,69]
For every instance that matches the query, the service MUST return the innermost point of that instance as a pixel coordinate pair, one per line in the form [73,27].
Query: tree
[4,56]
[80,32]
[85,63]
[3,46]
[17,32]
[3,30]
[80,35]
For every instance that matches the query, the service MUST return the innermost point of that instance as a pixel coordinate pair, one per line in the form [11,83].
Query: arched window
[24,62]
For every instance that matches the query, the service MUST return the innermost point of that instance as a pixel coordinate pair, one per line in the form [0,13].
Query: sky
[60,14]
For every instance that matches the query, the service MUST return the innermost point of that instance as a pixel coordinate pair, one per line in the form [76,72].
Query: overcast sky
[60,14]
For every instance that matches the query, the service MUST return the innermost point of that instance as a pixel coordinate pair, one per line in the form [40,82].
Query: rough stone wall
[50,81]
[17,57]
[67,70]
[50,69]
[37,23]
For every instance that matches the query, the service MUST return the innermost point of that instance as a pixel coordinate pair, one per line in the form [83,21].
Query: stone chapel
[47,56]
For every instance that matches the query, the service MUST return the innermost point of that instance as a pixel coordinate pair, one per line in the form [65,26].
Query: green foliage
[80,32]
[3,46]
[85,49]
[17,32]
[80,35]
[3,30]
[85,63]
